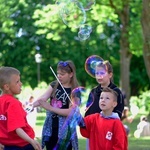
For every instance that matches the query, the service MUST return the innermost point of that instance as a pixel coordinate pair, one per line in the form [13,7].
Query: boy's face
[106,101]
[14,86]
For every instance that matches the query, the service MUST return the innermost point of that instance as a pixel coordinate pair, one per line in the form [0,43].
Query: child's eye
[107,98]
[100,73]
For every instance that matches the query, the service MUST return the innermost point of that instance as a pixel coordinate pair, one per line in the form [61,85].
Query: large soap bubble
[72,13]
[90,64]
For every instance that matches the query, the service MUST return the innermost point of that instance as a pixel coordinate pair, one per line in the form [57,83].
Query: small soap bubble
[84,32]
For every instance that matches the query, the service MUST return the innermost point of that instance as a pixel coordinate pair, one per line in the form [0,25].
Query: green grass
[134,144]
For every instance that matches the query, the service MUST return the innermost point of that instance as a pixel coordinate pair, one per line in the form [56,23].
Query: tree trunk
[125,55]
[145,21]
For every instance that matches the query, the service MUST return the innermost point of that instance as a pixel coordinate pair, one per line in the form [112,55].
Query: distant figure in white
[143,128]
[31,113]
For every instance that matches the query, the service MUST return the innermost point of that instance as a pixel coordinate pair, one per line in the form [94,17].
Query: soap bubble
[84,32]
[90,64]
[72,13]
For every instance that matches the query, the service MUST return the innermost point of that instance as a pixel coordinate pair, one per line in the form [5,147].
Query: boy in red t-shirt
[105,130]
[15,132]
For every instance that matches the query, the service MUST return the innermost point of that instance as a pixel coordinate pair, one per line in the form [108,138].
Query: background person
[104,77]
[32,113]
[143,128]
[126,118]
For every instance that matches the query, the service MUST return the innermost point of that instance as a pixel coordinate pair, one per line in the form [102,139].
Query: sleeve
[85,131]
[120,140]
[16,116]
[53,84]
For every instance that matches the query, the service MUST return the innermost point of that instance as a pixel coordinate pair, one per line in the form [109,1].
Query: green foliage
[134,100]
[26,25]
[142,101]
[138,74]
[145,97]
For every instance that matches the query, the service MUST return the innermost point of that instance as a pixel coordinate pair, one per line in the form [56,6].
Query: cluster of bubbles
[91,63]
[73,14]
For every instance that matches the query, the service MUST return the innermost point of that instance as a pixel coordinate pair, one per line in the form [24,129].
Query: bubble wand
[61,84]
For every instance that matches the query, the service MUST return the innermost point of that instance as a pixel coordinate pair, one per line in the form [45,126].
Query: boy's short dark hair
[107,89]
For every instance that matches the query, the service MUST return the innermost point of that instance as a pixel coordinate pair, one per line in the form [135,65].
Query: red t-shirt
[13,116]
[104,134]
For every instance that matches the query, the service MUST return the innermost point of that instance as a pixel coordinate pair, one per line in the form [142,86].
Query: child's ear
[6,87]
[115,104]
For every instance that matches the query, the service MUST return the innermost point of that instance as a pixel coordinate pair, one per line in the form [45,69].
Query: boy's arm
[20,132]
[83,130]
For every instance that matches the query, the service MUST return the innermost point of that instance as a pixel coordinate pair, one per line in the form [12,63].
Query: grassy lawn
[142,143]
[134,144]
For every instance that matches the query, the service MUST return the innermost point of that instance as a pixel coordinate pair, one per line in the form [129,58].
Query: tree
[28,25]
[145,21]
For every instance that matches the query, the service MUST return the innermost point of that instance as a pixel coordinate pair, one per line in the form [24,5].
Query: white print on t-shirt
[61,97]
[109,135]
[2,117]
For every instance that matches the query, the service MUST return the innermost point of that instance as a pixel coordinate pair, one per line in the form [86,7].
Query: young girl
[59,108]
[104,77]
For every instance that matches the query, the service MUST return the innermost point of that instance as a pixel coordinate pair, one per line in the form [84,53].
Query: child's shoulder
[118,122]
[7,98]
